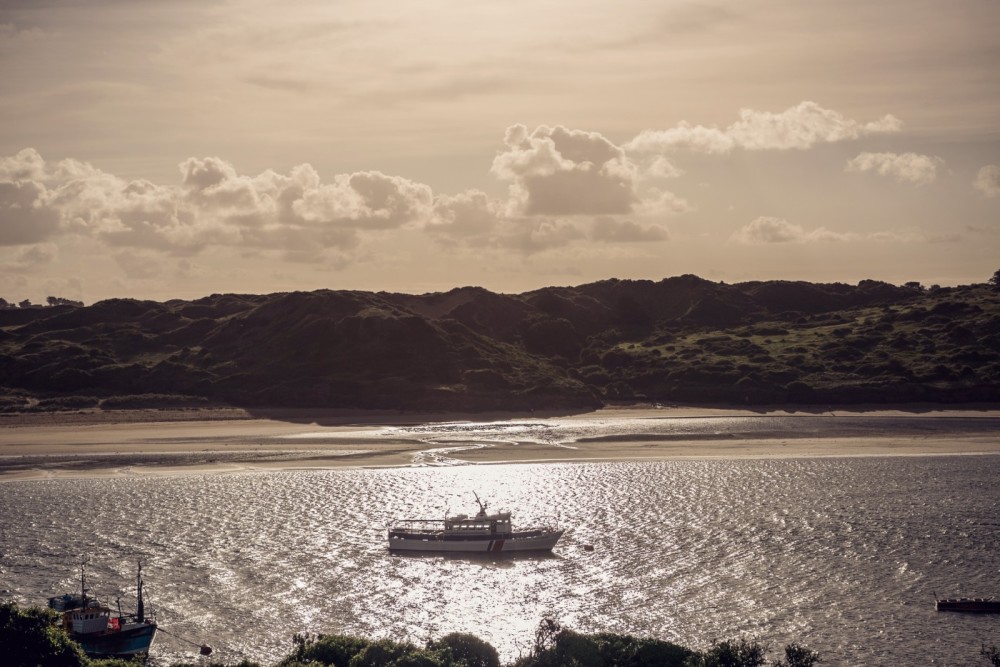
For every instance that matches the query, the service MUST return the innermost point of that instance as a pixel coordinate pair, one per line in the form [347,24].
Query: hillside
[682,339]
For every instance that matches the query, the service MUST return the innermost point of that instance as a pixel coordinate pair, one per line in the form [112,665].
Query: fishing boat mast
[83,582]
[140,609]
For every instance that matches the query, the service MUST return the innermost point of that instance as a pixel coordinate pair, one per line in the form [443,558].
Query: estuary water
[841,554]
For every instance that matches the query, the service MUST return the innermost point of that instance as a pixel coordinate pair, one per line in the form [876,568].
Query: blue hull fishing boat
[102,632]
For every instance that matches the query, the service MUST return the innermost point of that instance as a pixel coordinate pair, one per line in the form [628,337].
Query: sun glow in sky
[173,148]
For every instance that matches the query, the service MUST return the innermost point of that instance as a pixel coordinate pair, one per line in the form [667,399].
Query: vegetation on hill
[32,638]
[682,339]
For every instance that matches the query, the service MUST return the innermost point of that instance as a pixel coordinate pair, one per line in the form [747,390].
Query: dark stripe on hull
[132,641]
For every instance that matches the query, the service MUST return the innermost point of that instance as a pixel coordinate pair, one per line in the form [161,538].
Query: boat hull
[970,606]
[485,545]
[128,641]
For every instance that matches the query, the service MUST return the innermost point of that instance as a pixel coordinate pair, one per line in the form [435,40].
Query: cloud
[988,180]
[683,136]
[13,37]
[556,176]
[904,167]
[31,257]
[465,216]
[26,215]
[138,265]
[558,171]
[533,235]
[802,127]
[212,205]
[657,202]
[769,230]
[799,127]
[660,167]
[766,230]
[26,165]
[366,199]
[608,229]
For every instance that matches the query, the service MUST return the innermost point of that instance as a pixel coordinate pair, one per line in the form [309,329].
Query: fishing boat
[969,605]
[103,632]
[482,533]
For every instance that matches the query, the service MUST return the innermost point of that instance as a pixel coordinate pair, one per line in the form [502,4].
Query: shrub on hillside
[30,637]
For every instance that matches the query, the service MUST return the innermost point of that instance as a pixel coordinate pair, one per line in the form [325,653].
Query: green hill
[682,339]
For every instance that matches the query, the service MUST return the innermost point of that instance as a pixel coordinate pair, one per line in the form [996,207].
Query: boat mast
[140,610]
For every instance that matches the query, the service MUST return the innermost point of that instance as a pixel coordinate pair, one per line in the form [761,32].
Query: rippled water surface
[841,554]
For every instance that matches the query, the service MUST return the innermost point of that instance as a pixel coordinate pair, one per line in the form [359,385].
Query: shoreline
[198,441]
[350,416]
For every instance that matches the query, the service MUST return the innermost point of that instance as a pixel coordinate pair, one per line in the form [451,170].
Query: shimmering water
[841,554]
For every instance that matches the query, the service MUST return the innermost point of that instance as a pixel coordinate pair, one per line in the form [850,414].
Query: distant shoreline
[164,442]
[351,416]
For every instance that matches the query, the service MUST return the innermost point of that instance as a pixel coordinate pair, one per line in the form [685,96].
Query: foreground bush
[30,637]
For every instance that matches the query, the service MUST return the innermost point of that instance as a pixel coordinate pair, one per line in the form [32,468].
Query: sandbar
[152,442]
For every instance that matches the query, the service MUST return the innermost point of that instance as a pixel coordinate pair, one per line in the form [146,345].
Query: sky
[164,149]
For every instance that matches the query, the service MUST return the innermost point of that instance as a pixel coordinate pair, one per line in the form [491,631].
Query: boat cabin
[87,620]
[481,524]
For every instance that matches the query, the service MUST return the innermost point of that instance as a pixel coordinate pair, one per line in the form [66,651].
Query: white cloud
[683,136]
[533,235]
[802,127]
[468,215]
[556,175]
[904,167]
[26,215]
[799,127]
[988,180]
[213,205]
[557,171]
[26,165]
[657,202]
[766,230]
[769,230]
[661,167]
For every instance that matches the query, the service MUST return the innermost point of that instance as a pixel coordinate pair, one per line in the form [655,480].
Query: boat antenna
[140,610]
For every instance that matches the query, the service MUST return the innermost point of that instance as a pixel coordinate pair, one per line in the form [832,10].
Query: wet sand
[38,446]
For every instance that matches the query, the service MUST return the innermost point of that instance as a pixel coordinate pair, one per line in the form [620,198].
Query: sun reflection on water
[688,551]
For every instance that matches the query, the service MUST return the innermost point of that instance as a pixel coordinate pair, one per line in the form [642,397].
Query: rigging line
[183,639]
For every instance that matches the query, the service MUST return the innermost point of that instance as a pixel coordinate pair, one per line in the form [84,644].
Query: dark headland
[679,340]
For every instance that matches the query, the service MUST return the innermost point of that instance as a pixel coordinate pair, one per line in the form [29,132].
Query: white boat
[102,632]
[482,533]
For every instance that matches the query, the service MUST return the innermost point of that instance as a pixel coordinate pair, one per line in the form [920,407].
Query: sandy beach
[38,446]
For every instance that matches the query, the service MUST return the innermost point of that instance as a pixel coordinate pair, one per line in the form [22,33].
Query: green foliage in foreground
[32,638]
